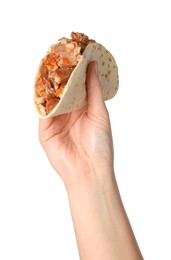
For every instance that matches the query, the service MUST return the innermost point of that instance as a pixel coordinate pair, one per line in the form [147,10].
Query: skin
[79,146]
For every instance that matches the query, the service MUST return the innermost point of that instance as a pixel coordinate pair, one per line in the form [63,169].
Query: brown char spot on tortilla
[117,78]
[103,63]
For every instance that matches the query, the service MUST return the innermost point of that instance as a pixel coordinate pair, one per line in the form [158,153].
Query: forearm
[101,225]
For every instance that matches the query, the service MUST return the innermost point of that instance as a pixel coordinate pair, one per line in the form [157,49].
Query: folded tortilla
[74,93]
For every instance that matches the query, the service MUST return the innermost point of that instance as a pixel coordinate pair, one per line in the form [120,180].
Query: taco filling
[56,69]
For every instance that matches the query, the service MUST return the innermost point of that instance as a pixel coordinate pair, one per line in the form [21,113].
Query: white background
[35,220]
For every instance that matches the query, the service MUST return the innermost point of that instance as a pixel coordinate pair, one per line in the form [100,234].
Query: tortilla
[74,93]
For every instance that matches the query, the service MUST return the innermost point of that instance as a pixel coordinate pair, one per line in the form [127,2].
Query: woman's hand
[79,147]
[79,144]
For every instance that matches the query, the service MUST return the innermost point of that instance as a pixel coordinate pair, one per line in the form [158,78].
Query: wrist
[98,180]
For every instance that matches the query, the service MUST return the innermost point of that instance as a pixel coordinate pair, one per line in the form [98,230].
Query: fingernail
[96,67]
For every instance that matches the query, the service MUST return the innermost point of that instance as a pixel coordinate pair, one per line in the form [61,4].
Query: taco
[60,85]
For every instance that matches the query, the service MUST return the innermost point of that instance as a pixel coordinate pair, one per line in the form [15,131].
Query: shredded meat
[61,75]
[56,68]
[50,104]
[44,89]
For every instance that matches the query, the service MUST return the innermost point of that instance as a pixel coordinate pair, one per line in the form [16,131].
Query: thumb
[96,104]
